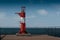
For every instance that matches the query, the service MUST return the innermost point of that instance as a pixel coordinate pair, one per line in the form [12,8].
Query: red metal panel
[22,28]
[22,14]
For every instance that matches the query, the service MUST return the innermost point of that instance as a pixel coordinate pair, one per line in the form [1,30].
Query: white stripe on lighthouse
[22,20]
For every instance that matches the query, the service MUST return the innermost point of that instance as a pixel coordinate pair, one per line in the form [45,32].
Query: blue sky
[39,13]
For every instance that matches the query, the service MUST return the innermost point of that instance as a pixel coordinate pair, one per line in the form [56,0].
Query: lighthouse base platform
[23,34]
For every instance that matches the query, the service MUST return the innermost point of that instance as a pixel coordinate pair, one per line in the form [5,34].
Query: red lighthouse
[22,30]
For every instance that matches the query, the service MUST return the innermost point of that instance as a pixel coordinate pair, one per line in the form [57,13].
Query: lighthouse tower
[22,30]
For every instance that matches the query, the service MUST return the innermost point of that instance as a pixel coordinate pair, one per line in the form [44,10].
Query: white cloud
[2,15]
[32,16]
[58,13]
[42,12]
[9,21]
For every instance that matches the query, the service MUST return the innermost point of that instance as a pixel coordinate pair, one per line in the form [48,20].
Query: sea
[33,31]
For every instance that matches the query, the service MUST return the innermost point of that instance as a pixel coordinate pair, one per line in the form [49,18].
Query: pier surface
[32,37]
